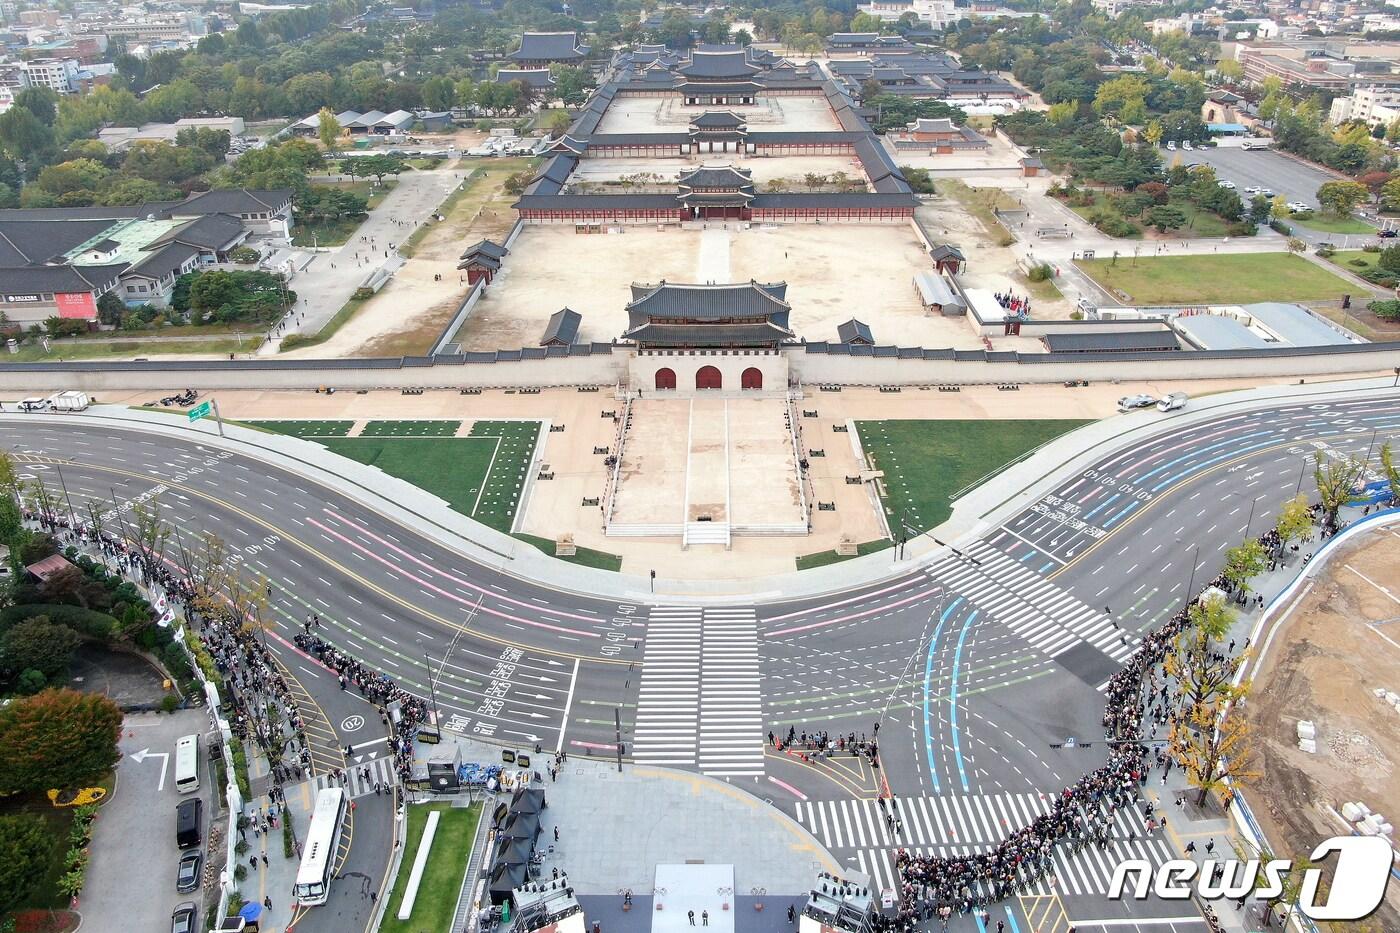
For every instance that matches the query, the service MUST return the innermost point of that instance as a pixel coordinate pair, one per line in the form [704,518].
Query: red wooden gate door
[665,378]
[751,379]
[708,377]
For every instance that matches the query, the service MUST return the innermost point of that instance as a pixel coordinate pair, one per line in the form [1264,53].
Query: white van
[187,764]
[1172,402]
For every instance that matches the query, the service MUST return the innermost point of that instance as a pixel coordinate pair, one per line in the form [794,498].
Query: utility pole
[217,417]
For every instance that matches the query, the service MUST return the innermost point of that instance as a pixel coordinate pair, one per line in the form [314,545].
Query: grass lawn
[1199,223]
[823,558]
[1348,258]
[586,556]
[346,312]
[926,462]
[123,349]
[480,476]
[1216,279]
[442,877]
[307,428]
[1324,224]
[482,189]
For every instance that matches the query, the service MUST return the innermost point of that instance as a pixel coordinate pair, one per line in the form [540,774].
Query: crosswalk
[858,833]
[359,779]
[1048,618]
[699,701]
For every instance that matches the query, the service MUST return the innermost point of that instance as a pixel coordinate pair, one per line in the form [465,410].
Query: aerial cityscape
[620,466]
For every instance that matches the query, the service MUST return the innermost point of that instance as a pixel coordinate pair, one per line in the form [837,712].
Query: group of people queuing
[1016,304]
[820,743]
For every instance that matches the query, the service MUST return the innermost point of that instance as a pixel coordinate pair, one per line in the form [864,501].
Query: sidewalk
[271,872]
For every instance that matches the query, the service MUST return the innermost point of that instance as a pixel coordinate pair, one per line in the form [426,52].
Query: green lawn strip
[330,231]
[94,350]
[585,556]
[925,462]
[410,428]
[823,558]
[1325,224]
[448,858]
[451,468]
[346,312]
[1215,279]
[1354,261]
[307,428]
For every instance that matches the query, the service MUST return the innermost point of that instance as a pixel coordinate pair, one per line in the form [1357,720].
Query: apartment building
[59,75]
[1372,105]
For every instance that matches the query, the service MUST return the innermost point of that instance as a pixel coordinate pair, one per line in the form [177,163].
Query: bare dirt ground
[1340,643]
[833,271]
[765,169]
[658,115]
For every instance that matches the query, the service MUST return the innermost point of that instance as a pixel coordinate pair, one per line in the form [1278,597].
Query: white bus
[187,764]
[322,841]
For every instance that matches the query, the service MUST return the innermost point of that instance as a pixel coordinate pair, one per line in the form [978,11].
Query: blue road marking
[1028,556]
[1130,506]
[1011,918]
[1101,506]
[1046,567]
[928,678]
[953,699]
[1201,450]
[981,927]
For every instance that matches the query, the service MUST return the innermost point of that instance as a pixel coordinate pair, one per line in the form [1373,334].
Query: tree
[1244,562]
[149,532]
[1390,193]
[1340,198]
[1259,209]
[555,121]
[1295,245]
[24,838]
[813,180]
[24,137]
[1200,668]
[1214,758]
[37,644]
[1295,520]
[1166,217]
[57,738]
[1336,479]
[327,128]
[1392,474]
[1153,132]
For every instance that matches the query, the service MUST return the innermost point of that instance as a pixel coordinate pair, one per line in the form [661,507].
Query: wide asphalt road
[979,666]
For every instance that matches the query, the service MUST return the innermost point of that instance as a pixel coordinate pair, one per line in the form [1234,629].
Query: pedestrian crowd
[1014,303]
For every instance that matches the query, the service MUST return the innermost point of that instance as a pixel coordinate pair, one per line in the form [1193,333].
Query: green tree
[1392,474]
[1390,193]
[1295,520]
[1244,562]
[37,644]
[1340,198]
[1214,757]
[1336,480]
[57,738]
[24,838]
[327,128]
[1166,217]
[25,138]
[1201,669]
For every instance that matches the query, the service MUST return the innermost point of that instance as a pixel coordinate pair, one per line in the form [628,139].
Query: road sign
[202,410]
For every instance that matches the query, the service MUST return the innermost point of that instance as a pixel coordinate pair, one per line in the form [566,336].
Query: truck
[1173,402]
[1251,144]
[72,400]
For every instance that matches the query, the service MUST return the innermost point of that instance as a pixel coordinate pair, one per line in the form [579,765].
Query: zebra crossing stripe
[381,770]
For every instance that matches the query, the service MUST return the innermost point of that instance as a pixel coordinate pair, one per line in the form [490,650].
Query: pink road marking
[452,596]
[788,787]
[856,615]
[451,576]
[606,747]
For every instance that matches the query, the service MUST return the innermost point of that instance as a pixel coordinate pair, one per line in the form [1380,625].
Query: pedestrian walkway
[699,702]
[1049,618]
[360,779]
[862,833]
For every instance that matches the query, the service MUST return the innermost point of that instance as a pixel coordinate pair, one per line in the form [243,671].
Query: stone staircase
[706,533]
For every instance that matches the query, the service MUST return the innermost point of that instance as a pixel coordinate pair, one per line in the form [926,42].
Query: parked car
[1253,189]
[1130,402]
[187,878]
[1297,207]
[1186,144]
[185,919]
[1267,192]
[1387,234]
[1228,184]
[1171,145]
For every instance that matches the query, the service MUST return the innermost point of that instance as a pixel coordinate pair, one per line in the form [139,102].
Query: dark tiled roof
[533,77]
[854,331]
[597,202]
[480,260]
[712,302]
[717,176]
[709,335]
[946,251]
[212,231]
[234,201]
[487,248]
[728,87]
[160,264]
[559,46]
[601,140]
[562,328]
[37,279]
[819,201]
[29,242]
[718,119]
[1111,342]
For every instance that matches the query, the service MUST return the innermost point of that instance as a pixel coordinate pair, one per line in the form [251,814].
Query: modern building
[373,123]
[118,138]
[1338,65]
[59,75]
[936,13]
[542,49]
[1376,105]
[56,262]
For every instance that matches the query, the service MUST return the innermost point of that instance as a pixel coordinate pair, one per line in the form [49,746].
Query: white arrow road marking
[164,757]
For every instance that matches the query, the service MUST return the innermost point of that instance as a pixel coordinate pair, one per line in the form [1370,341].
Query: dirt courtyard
[1341,642]
[834,272]
[669,115]
[765,168]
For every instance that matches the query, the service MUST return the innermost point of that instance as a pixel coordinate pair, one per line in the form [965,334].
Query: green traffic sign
[202,410]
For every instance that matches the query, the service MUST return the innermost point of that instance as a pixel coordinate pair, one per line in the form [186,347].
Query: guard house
[562,329]
[718,78]
[947,259]
[854,332]
[482,260]
[708,336]
[719,131]
[717,192]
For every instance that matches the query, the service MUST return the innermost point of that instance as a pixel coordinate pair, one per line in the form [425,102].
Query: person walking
[690,914]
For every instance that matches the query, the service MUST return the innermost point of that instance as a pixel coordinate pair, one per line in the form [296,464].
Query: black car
[1387,234]
[185,918]
[187,879]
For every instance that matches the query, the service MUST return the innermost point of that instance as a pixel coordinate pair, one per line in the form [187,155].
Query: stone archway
[708,377]
[752,378]
[666,378]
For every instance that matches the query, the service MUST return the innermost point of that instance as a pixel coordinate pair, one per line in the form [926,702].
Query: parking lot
[1259,168]
[131,871]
